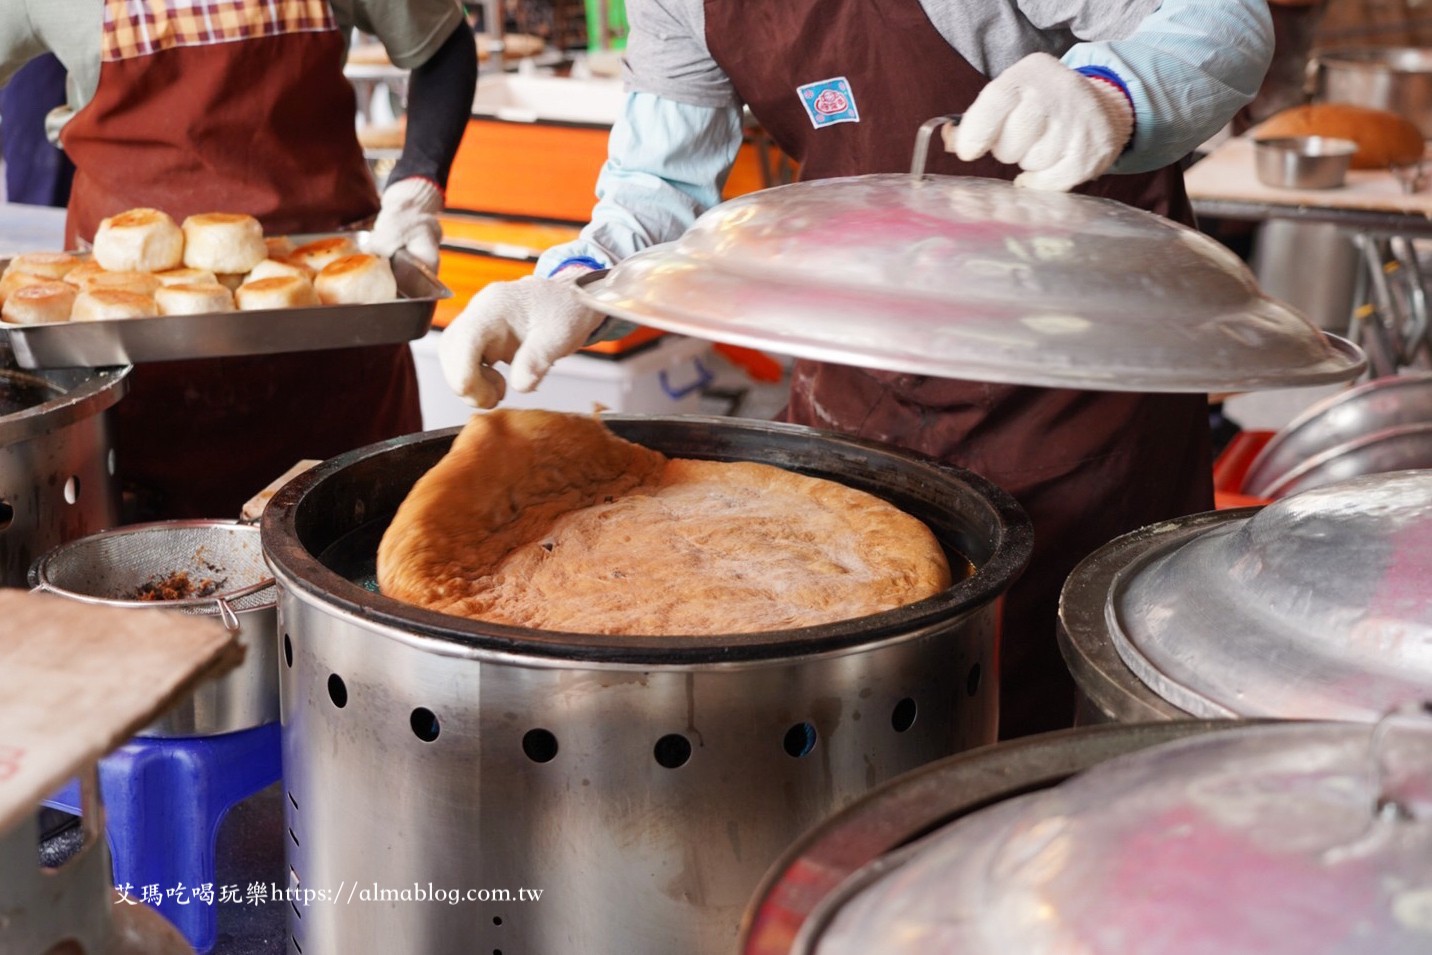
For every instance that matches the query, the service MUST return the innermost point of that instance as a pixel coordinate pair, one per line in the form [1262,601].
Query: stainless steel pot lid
[1318,606]
[1311,839]
[973,278]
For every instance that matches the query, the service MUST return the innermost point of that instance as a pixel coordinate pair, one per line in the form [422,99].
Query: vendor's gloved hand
[408,219]
[529,323]
[1060,126]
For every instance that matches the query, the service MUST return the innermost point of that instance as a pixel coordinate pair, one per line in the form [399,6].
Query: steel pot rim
[98,392]
[295,567]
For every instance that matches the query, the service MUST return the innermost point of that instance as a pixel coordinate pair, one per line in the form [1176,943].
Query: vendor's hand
[1060,126]
[529,323]
[408,219]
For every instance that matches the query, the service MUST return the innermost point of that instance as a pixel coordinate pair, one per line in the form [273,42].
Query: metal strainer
[223,561]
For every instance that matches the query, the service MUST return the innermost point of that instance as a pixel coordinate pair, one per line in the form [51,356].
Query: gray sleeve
[411,31]
[19,42]
[1088,19]
[666,54]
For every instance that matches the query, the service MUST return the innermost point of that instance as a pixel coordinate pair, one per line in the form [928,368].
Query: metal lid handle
[922,139]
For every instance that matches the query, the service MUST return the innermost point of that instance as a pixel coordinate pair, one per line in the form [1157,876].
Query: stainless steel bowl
[1303,162]
[1396,79]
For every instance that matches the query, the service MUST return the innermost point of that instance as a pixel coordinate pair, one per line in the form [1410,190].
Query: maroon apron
[232,106]
[1086,466]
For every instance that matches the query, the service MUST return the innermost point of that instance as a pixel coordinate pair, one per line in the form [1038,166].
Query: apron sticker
[828,102]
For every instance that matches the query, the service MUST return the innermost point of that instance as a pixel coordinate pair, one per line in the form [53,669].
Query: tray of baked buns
[151,289]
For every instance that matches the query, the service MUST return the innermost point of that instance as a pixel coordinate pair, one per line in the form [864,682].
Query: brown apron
[1086,466]
[232,106]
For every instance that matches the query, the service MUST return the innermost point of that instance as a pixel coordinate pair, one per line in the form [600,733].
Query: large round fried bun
[281,291]
[356,280]
[223,242]
[140,240]
[320,252]
[43,303]
[93,305]
[197,299]
[49,265]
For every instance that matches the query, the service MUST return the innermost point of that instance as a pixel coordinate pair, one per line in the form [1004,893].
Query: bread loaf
[196,299]
[223,242]
[49,265]
[360,279]
[1383,139]
[140,240]
[43,303]
[102,304]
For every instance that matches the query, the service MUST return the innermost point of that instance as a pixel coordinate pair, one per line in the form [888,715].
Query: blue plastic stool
[164,800]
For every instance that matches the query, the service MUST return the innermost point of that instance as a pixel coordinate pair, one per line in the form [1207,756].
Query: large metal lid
[1311,839]
[977,279]
[1318,606]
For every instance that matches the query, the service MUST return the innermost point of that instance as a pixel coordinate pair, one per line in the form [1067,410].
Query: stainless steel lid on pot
[1317,606]
[1278,839]
[973,278]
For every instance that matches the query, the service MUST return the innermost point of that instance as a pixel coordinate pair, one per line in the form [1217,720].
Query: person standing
[193,106]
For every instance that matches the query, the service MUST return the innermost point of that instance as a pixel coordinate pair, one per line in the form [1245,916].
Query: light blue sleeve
[667,163]
[1189,66]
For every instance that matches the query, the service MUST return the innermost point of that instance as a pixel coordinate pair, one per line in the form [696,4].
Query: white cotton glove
[1060,126]
[408,219]
[529,324]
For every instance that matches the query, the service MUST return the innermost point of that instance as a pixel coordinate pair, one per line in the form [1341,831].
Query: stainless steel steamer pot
[642,785]
[56,459]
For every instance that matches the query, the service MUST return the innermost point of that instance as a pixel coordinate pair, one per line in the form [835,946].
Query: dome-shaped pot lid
[1281,839]
[1318,606]
[977,279]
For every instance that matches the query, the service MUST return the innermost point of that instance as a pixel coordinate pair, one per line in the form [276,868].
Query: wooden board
[77,680]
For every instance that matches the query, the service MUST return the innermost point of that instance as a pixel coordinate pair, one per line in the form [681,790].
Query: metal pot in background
[1283,838]
[1395,79]
[643,785]
[56,459]
[1317,606]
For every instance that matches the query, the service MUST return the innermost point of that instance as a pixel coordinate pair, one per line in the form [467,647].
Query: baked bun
[140,240]
[196,299]
[356,280]
[269,268]
[49,265]
[281,291]
[43,303]
[142,282]
[1383,139]
[11,281]
[186,276]
[223,242]
[80,273]
[320,252]
[279,246]
[99,304]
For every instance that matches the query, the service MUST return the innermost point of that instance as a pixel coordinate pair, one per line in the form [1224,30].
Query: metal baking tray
[132,341]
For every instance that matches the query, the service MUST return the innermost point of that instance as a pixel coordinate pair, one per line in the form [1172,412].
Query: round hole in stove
[540,745]
[903,716]
[72,490]
[497,920]
[287,650]
[800,740]
[672,750]
[109,463]
[972,682]
[7,515]
[337,691]
[425,724]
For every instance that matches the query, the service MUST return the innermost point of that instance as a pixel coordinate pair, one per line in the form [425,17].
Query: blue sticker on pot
[828,102]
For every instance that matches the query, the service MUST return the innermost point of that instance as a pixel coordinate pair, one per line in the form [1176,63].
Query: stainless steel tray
[221,334]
